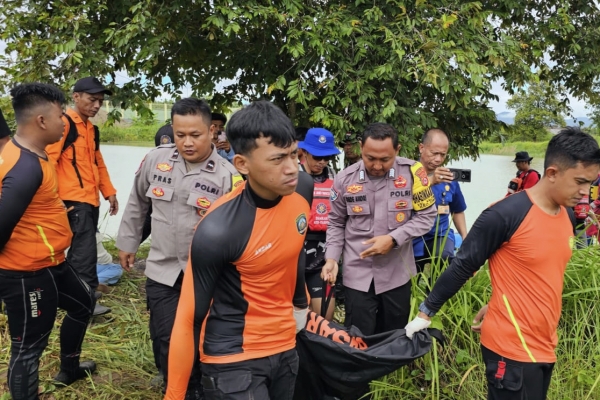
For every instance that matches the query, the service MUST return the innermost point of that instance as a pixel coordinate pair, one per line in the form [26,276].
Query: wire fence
[161,111]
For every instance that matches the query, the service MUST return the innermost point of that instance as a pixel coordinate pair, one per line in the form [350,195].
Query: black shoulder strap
[571,214]
[97,137]
[72,135]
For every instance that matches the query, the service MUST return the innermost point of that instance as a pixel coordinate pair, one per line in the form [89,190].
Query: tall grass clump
[456,371]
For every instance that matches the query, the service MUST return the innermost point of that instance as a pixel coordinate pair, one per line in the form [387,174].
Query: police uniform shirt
[401,205]
[179,200]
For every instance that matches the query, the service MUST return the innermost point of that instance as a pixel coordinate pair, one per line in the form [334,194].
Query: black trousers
[267,378]
[83,254]
[514,380]
[162,301]
[31,300]
[375,313]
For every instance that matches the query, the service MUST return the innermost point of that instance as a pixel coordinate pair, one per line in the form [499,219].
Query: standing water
[490,175]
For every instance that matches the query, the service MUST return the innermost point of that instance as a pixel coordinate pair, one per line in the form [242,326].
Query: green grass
[535,149]
[120,344]
[138,133]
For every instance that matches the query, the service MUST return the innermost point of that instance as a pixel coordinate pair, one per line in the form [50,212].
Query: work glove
[416,325]
[300,317]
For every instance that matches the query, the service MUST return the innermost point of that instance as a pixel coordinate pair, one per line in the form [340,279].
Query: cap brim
[519,160]
[314,151]
[98,90]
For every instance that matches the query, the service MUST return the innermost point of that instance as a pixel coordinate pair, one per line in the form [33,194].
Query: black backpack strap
[71,136]
[97,137]
[571,214]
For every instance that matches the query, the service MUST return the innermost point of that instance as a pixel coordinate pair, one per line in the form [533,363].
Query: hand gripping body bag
[336,361]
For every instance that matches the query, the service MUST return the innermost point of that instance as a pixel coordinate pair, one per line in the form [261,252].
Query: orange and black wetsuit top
[528,252]
[34,229]
[243,277]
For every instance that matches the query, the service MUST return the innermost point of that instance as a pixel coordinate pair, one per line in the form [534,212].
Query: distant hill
[507,118]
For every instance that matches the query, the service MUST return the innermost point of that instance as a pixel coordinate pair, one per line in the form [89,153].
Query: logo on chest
[301,223]
[164,167]
[357,209]
[321,208]
[354,189]
[203,202]
[400,182]
[400,217]
[401,204]
[262,249]
[158,192]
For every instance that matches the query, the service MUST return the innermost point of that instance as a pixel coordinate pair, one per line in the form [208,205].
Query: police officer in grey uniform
[378,205]
[181,181]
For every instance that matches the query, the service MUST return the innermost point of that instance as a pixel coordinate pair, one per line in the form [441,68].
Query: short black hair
[380,131]
[28,96]
[301,132]
[259,119]
[219,117]
[572,146]
[426,139]
[192,106]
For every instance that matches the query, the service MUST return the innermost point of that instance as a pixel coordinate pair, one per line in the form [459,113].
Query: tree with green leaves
[537,109]
[338,64]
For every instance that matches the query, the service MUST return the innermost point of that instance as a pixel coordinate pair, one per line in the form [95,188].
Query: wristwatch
[423,308]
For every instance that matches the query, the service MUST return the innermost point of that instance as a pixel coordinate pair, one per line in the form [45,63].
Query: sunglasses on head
[321,158]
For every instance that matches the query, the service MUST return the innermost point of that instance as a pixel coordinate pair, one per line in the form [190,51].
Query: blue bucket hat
[319,142]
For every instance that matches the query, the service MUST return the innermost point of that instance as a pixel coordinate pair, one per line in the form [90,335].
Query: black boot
[65,377]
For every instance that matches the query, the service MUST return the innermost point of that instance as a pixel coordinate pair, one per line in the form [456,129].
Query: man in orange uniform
[518,335]
[243,298]
[81,175]
[34,234]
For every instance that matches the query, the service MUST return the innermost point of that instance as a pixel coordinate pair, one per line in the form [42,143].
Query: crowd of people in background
[252,224]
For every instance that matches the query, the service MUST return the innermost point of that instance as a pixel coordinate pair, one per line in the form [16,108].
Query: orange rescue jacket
[91,175]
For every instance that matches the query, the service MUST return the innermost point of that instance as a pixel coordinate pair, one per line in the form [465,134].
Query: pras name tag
[443,209]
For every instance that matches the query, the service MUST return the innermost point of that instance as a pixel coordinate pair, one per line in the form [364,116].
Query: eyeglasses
[321,158]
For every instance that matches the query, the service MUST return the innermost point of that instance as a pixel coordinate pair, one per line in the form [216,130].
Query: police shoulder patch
[333,196]
[422,194]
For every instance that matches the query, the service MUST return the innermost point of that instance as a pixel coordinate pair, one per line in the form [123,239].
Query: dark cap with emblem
[164,135]
[349,137]
[90,85]
[522,156]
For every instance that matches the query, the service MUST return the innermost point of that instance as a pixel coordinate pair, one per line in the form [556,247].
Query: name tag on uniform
[443,209]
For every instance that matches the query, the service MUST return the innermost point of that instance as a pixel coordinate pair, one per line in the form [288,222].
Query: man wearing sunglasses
[319,148]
